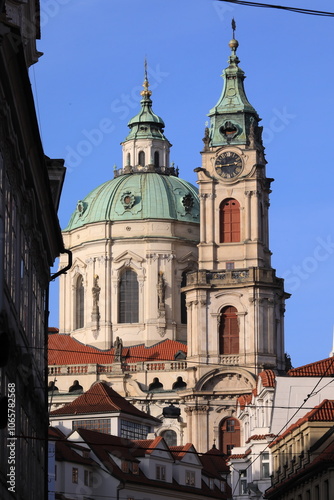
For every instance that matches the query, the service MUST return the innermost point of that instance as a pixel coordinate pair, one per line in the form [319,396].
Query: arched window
[128,297]
[79,303]
[156,159]
[170,437]
[179,384]
[229,331]
[229,220]
[229,435]
[183,299]
[141,158]
[156,385]
[128,159]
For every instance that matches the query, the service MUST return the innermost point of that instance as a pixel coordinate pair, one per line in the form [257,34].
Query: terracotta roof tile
[241,455]
[146,446]
[214,462]
[100,398]
[244,400]
[70,452]
[324,412]
[179,452]
[323,368]
[268,378]
[259,437]
[105,445]
[65,350]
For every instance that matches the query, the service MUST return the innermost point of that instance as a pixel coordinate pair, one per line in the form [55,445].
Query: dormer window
[125,466]
[160,472]
[190,478]
[135,468]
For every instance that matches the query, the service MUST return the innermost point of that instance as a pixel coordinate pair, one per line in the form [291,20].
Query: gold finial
[145,92]
[233,44]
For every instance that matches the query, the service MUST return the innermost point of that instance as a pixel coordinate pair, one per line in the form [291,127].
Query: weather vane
[233,27]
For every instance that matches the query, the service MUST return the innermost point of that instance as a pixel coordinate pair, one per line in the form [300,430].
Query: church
[171,298]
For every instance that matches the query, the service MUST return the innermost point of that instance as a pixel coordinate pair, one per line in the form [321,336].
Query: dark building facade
[30,186]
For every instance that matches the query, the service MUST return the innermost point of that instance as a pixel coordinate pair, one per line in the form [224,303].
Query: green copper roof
[233,118]
[146,124]
[138,196]
[233,98]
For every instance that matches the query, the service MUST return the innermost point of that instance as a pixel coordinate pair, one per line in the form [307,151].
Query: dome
[138,196]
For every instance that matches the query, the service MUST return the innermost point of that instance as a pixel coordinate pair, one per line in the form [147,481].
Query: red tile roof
[259,437]
[65,350]
[146,446]
[214,462]
[268,378]
[179,452]
[105,445]
[321,413]
[241,455]
[323,368]
[71,452]
[244,400]
[100,398]
[55,433]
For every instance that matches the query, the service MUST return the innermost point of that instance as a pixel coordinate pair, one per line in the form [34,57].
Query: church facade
[171,298]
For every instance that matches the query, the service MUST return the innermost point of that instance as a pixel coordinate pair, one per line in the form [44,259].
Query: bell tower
[235,301]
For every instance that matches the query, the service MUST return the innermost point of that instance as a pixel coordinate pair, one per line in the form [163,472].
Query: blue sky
[87,87]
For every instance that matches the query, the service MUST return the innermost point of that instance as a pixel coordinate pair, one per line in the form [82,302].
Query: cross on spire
[233,27]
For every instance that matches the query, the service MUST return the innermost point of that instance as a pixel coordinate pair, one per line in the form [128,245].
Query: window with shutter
[229,331]
[229,217]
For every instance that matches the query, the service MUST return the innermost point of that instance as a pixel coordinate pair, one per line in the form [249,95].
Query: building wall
[30,241]
[151,248]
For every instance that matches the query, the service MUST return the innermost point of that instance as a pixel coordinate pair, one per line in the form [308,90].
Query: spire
[146,124]
[145,92]
[233,115]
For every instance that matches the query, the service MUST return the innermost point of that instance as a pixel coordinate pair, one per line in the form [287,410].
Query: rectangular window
[96,424]
[160,472]
[229,266]
[230,425]
[88,478]
[132,430]
[135,468]
[125,466]
[190,478]
[75,475]
[316,493]
[243,482]
[265,465]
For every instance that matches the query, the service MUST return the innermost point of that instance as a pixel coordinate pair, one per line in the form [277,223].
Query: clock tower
[235,301]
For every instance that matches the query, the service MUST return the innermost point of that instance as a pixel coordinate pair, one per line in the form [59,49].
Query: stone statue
[161,290]
[96,291]
[118,347]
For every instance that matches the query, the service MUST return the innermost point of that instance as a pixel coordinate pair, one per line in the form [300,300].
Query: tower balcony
[252,275]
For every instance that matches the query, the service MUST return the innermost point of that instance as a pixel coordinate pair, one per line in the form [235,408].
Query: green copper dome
[138,196]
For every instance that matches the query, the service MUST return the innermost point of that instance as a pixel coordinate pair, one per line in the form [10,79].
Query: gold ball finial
[233,44]
[146,92]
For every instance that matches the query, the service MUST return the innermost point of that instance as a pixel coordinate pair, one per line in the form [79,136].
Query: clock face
[228,165]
